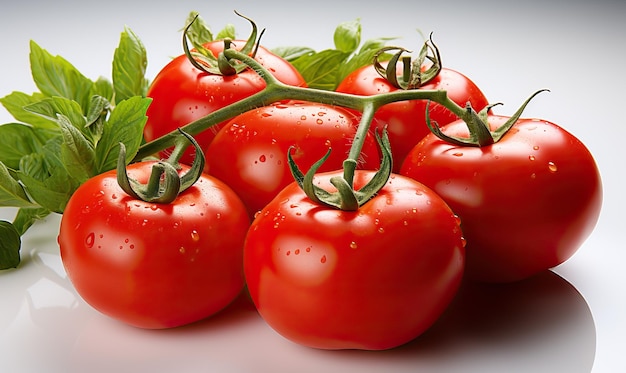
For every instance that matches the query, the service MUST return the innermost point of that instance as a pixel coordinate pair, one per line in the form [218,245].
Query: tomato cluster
[519,202]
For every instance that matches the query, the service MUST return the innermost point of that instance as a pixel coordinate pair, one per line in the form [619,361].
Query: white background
[576,49]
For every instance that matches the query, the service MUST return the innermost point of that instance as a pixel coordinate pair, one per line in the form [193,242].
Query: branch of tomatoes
[346,197]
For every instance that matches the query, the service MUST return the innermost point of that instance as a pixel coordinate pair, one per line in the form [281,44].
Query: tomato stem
[164,184]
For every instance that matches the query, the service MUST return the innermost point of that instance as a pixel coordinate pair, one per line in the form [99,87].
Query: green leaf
[11,192]
[53,192]
[77,153]
[17,101]
[104,88]
[124,125]
[129,67]
[292,53]
[26,217]
[228,32]
[199,32]
[10,242]
[51,108]
[17,140]
[347,36]
[321,70]
[55,76]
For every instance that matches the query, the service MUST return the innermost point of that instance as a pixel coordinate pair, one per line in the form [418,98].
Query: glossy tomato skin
[406,120]
[182,94]
[250,152]
[526,203]
[370,279]
[154,265]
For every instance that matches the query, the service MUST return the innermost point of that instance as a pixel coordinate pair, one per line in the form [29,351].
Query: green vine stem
[277,91]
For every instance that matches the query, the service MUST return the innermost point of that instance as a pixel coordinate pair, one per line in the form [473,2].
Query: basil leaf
[77,153]
[104,88]
[26,217]
[199,33]
[11,192]
[53,192]
[125,125]
[51,108]
[129,67]
[292,53]
[55,76]
[15,103]
[321,69]
[228,32]
[347,36]
[10,242]
[18,139]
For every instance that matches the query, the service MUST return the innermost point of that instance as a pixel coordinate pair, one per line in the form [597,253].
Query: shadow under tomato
[542,324]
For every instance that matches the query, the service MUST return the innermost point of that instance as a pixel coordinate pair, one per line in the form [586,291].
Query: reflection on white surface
[539,325]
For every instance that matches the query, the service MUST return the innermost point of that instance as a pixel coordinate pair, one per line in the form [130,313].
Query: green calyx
[480,133]
[204,60]
[346,198]
[413,76]
[164,184]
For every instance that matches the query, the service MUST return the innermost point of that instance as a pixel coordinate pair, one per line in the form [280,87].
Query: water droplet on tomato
[353,245]
[535,147]
[457,154]
[266,115]
[463,242]
[195,236]
[308,249]
[381,230]
[288,252]
[531,157]
[262,158]
[89,240]
[303,117]
[181,250]
[319,121]
[552,167]
[323,259]
[533,175]
[297,252]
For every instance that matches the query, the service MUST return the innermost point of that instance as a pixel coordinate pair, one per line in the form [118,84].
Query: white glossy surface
[554,323]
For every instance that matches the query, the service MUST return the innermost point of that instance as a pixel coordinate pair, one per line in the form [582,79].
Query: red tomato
[370,279]
[182,94]
[154,265]
[526,203]
[250,152]
[406,120]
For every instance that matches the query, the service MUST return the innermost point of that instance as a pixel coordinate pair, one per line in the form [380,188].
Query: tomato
[181,93]
[250,152]
[370,279]
[526,202]
[154,265]
[406,120]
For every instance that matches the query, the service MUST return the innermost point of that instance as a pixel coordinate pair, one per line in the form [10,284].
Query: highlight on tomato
[150,250]
[527,191]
